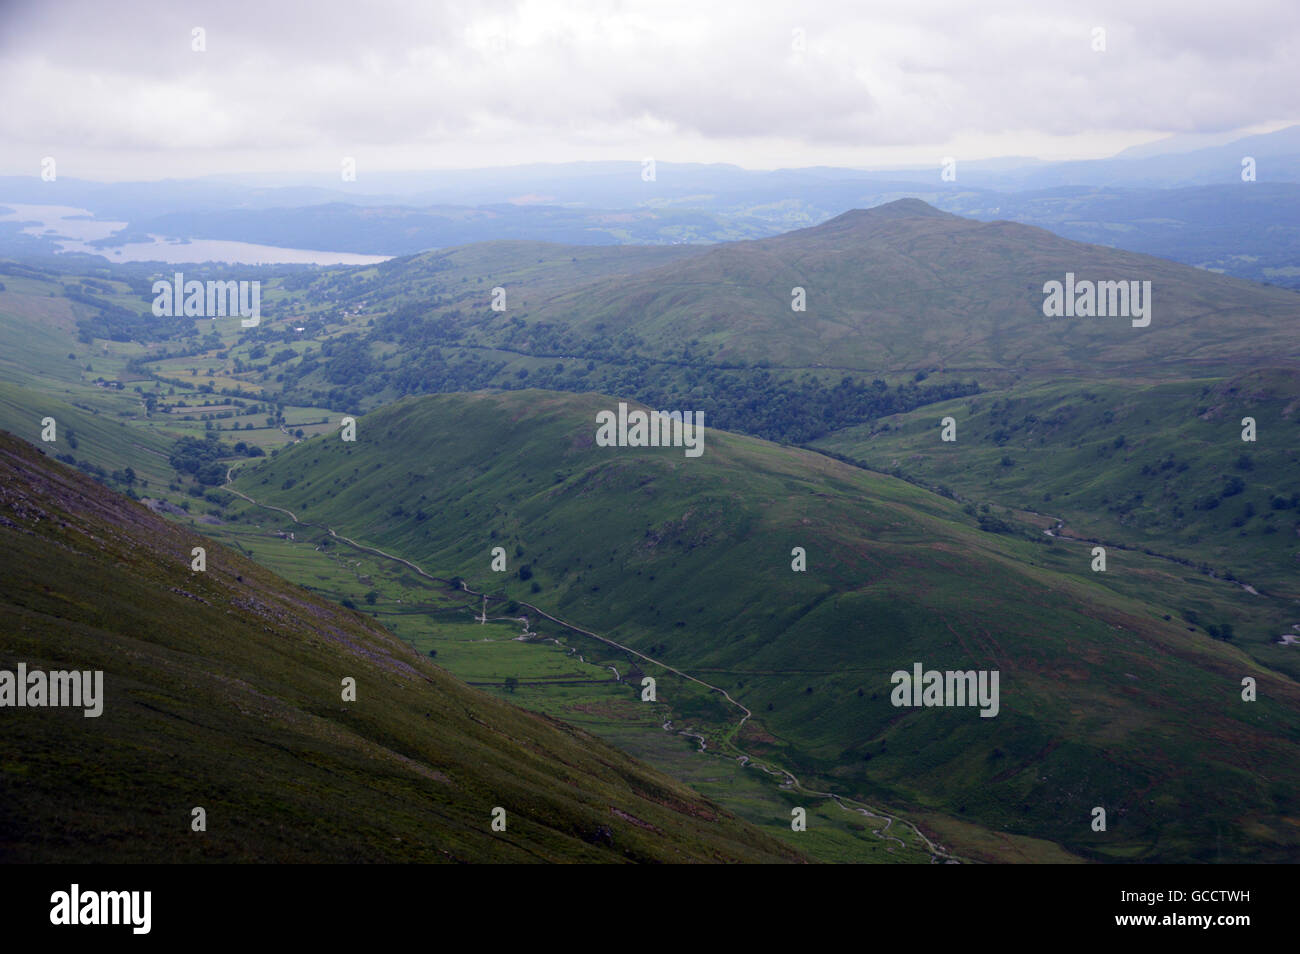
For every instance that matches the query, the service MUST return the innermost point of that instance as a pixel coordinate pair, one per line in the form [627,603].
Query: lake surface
[72,229]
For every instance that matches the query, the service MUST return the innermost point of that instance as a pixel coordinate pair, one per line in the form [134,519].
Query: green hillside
[904,306]
[529,268]
[905,287]
[1147,464]
[222,690]
[1121,688]
[1108,699]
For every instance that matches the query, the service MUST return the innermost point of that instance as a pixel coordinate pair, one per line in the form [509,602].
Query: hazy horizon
[293,88]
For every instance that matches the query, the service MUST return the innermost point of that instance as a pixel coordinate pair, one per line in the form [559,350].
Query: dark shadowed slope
[222,690]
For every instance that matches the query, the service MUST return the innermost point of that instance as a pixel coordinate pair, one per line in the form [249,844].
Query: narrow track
[938,853]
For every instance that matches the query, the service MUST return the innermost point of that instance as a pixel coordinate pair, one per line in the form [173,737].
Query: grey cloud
[338,75]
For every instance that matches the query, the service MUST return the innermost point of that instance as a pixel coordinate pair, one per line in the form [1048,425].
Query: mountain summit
[904,286]
[898,209]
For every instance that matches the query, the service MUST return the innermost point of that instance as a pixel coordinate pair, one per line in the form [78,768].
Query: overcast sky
[114,90]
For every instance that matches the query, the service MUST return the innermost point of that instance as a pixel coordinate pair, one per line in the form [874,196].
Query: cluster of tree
[1221,631]
[752,400]
[768,405]
[85,466]
[345,373]
[118,324]
[125,479]
[200,458]
[412,325]
[1231,487]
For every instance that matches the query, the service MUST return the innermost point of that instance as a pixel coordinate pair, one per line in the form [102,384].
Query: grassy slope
[1142,463]
[1104,701]
[109,427]
[38,379]
[560,674]
[904,286]
[869,269]
[516,263]
[223,691]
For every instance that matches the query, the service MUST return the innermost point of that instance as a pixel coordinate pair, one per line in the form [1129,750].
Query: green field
[553,680]
[1157,472]
[222,690]
[688,562]
[1120,688]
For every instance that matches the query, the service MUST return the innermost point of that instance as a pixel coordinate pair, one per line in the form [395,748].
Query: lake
[75,228]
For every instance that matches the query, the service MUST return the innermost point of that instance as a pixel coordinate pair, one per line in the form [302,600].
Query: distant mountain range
[862,338]
[899,287]
[1187,204]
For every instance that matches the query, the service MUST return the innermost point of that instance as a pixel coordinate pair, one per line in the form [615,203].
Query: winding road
[938,854]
